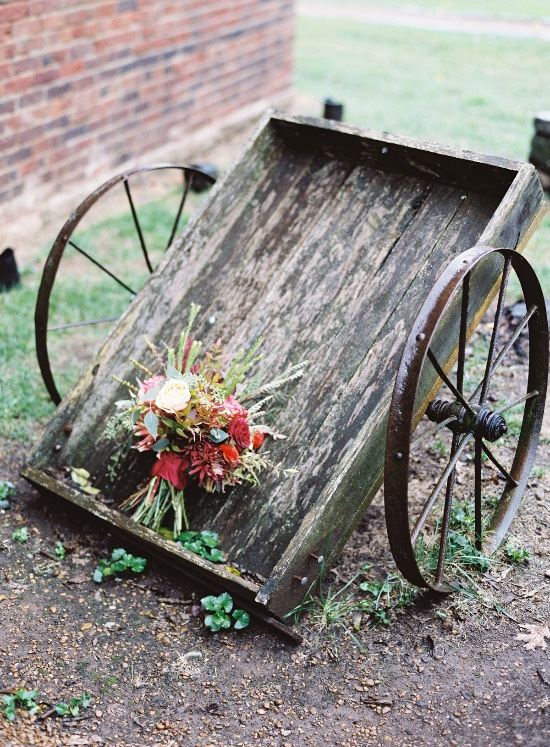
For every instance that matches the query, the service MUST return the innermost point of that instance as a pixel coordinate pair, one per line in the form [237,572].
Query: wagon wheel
[110,264]
[438,356]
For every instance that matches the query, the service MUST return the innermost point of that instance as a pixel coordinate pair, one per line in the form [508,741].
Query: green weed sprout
[119,562]
[516,554]
[25,699]
[74,706]
[59,550]
[20,535]
[221,607]
[203,543]
[7,491]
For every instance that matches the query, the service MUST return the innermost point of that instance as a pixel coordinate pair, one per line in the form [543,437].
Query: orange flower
[230,452]
[257,439]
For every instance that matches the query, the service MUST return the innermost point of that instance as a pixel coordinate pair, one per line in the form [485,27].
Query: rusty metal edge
[53,260]
[401,416]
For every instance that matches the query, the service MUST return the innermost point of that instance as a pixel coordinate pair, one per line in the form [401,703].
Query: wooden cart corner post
[324,239]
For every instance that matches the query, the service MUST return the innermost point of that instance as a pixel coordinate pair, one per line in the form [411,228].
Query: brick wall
[88,86]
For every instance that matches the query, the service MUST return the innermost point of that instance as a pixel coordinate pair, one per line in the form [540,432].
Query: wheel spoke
[187,181]
[102,267]
[497,464]
[83,324]
[446,515]
[431,432]
[435,492]
[517,402]
[511,340]
[489,370]
[137,225]
[463,331]
[442,375]
[477,493]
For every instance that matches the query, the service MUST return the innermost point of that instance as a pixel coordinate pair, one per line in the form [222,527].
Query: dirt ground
[157,676]
[446,672]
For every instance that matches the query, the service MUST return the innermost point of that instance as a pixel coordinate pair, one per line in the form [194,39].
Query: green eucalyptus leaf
[151,422]
[150,394]
[62,709]
[217,436]
[161,444]
[173,372]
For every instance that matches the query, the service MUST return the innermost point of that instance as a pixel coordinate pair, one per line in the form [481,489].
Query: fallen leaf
[535,637]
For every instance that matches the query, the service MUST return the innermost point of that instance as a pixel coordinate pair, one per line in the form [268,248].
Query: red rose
[230,452]
[257,439]
[172,467]
[239,431]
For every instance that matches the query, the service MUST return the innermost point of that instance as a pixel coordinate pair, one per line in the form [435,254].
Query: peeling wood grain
[326,246]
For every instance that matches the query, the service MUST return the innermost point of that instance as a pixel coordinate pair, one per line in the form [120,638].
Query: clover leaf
[242,619]
[119,562]
[221,607]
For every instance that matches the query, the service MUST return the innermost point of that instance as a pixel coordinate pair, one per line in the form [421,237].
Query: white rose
[174,396]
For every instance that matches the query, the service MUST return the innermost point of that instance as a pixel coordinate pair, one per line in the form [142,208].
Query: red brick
[30,167]
[45,76]
[18,84]
[10,194]
[121,76]
[13,11]
[72,68]
[7,177]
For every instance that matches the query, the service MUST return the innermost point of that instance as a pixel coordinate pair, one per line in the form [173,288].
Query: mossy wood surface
[324,239]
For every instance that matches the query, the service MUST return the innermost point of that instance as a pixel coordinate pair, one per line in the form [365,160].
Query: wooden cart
[325,239]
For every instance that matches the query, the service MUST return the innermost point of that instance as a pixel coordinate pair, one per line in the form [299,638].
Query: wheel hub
[481,421]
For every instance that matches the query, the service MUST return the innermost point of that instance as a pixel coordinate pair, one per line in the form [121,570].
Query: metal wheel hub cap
[479,420]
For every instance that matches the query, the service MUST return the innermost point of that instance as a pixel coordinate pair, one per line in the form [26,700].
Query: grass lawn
[499,8]
[467,91]
[478,93]
[472,92]
[81,292]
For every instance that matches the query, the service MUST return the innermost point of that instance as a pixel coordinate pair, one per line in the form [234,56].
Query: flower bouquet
[193,417]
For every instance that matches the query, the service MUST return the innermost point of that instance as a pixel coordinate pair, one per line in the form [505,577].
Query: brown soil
[447,671]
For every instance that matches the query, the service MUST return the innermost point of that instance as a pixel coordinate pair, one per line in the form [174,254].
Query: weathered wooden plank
[326,247]
[339,508]
[460,168]
[361,414]
[164,549]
